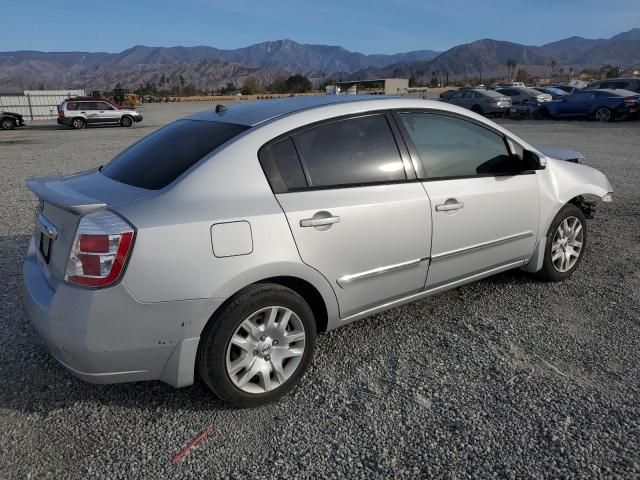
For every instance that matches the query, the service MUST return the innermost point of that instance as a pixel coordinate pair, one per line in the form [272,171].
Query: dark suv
[632,84]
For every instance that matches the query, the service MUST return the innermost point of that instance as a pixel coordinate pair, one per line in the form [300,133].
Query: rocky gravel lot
[505,378]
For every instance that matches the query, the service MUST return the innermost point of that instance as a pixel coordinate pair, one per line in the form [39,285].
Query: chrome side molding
[478,246]
[346,280]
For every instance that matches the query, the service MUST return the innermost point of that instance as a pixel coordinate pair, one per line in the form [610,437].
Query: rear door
[90,111]
[357,213]
[484,205]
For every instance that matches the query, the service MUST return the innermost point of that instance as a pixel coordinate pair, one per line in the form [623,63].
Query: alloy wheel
[603,114]
[265,350]
[567,244]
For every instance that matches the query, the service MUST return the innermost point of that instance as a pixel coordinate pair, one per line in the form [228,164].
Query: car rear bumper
[107,336]
[64,121]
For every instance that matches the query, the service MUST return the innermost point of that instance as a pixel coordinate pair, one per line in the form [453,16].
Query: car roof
[253,113]
[616,92]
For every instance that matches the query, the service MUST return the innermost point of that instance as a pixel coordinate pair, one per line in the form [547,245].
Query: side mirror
[532,161]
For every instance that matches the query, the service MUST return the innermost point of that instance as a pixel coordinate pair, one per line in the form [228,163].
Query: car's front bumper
[107,336]
[137,118]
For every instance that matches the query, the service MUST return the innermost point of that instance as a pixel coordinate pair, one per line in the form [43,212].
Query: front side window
[451,147]
[161,157]
[353,151]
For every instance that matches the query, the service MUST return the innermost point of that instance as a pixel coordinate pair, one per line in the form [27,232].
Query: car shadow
[34,382]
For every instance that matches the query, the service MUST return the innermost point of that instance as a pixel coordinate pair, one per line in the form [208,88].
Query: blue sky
[368,26]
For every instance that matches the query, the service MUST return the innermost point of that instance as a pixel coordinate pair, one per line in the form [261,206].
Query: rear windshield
[158,159]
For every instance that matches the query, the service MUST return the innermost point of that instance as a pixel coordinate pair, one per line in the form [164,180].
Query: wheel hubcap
[265,350]
[603,115]
[567,244]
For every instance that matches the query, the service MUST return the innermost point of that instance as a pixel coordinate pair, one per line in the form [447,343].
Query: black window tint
[452,147]
[88,106]
[282,167]
[72,106]
[104,106]
[353,151]
[158,159]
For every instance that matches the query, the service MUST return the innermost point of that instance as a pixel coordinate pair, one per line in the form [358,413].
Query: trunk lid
[62,202]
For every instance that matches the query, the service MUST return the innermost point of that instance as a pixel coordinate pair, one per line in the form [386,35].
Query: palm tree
[553,66]
[511,68]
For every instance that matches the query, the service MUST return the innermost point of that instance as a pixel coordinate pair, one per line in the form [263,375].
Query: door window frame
[403,151]
[415,156]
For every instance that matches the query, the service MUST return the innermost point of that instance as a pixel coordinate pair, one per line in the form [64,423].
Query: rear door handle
[449,206]
[319,222]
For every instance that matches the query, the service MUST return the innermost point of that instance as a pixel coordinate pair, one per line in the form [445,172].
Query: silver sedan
[223,243]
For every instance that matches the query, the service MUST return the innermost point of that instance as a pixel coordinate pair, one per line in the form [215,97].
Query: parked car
[481,101]
[447,93]
[566,88]
[553,91]
[10,120]
[79,113]
[524,95]
[602,105]
[222,243]
[632,84]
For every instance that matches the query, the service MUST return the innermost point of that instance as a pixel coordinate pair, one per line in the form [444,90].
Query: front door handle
[319,222]
[449,205]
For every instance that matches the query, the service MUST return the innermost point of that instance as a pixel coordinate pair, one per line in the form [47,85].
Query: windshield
[158,159]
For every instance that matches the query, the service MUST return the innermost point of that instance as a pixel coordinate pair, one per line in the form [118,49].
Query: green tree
[250,86]
[522,76]
[298,84]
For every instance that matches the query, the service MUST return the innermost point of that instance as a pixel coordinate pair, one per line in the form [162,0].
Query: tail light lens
[100,250]
[60,112]
[631,100]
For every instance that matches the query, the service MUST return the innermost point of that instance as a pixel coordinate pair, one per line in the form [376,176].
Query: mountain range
[209,67]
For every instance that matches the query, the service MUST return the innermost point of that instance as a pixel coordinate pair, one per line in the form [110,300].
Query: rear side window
[282,167]
[452,147]
[72,106]
[158,159]
[353,151]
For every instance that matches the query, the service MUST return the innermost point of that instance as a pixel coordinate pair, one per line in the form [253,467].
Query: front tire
[603,114]
[258,346]
[566,242]
[126,121]
[8,124]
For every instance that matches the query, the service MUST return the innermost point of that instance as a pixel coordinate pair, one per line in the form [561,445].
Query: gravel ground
[507,378]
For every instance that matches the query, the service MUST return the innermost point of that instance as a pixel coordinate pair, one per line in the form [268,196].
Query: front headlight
[608,197]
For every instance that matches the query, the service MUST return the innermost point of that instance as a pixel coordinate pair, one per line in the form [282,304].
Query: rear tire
[8,124]
[566,243]
[603,114]
[247,354]
[78,123]
[126,121]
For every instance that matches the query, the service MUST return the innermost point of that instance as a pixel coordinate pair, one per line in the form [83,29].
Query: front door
[484,205]
[360,220]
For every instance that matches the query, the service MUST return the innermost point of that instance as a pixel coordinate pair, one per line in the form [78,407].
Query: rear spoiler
[53,190]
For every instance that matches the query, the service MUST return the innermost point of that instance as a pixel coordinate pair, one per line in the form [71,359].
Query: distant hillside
[211,68]
[569,49]
[487,58]
[202,65]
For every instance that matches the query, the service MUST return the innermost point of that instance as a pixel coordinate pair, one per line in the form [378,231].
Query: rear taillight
[631,100]
[100,250]
[60,112]
[492,100]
